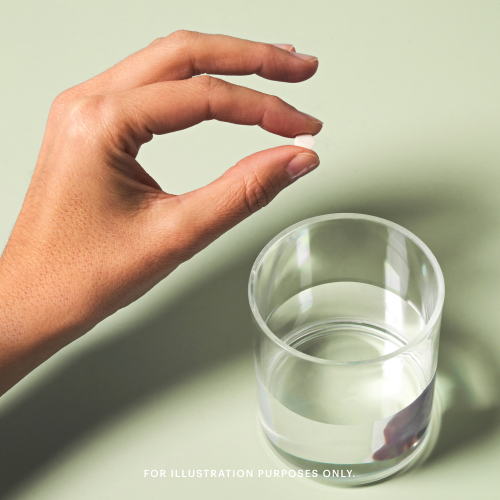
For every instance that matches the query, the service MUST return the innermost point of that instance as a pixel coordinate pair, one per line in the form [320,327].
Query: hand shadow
[206,326]
[197,331]
[468,379]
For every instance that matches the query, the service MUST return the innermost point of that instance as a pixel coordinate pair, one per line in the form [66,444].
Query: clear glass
[348,310]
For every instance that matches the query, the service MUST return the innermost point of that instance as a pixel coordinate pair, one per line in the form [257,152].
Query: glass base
[362,474]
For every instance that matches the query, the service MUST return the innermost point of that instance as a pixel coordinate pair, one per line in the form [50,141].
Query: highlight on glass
[348,310]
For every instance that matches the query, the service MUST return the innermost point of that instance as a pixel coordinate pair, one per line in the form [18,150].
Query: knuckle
[62,99]
[60,102]
[203,81]
[158,41]
[258,191]
[179,46]
[180,37]
[83,112]
[274,101]
[208,83]
[84,106]
[268,51]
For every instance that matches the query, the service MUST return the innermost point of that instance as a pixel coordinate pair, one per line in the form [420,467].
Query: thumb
[242,190]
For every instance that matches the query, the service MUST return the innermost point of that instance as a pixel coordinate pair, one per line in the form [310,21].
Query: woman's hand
[96,231]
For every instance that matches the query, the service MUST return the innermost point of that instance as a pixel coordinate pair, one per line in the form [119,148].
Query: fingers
[184,54]
[200,53]
[135,115]
[245,188]
[181,55]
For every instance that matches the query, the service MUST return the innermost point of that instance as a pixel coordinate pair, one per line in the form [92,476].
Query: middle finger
[184,54]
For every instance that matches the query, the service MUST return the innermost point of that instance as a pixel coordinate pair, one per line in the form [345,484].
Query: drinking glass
[348,310]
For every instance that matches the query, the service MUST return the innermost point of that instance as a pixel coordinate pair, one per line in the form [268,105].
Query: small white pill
[304,141]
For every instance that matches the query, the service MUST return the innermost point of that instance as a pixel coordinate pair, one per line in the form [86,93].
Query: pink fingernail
[305,57]
[301,164]
[284,46]
[313,118]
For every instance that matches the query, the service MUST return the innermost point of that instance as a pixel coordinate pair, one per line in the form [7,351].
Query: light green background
[410,95]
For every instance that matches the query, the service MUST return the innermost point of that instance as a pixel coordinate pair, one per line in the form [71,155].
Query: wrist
[31,329]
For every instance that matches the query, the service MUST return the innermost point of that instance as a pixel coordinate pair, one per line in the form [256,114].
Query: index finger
[133,116]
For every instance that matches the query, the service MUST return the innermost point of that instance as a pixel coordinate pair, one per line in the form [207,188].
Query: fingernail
[314,119]
[301,164]
[284,46]
[305,57]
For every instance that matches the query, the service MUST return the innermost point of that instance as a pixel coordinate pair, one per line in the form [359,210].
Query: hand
[96,231]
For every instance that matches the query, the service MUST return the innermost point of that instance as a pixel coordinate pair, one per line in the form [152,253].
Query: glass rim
[329,217]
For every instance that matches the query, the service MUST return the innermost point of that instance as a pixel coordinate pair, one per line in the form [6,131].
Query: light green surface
[410,96]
